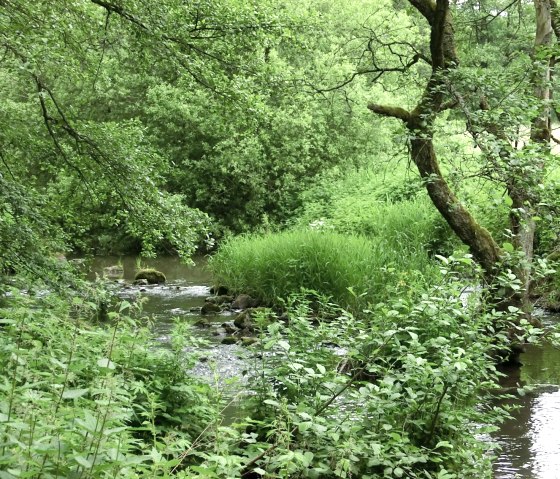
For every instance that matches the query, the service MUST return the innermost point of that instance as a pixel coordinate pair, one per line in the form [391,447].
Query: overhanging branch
[425,7]
[390,111]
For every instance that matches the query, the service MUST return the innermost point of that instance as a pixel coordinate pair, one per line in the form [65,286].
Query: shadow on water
[530,440]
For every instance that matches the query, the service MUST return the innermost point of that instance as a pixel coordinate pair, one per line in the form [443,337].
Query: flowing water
[180,299]
[530,440]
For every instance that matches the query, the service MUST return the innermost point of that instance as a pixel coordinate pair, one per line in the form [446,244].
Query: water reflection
[530,440]
[180,299]
[174,270]
[545,430]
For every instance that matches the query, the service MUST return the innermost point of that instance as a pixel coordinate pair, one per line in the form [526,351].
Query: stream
[529,441]
[181,297]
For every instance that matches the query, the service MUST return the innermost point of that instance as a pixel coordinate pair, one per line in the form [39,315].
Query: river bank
[527,440]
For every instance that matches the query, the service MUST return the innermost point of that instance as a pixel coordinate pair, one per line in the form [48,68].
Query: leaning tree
[519,170]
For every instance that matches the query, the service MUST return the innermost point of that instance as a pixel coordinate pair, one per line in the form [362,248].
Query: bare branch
[378,71]
[449,105]
[110,7]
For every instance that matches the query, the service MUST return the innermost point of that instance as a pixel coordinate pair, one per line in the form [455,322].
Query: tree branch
[377,70]
[390,111]
[426,7]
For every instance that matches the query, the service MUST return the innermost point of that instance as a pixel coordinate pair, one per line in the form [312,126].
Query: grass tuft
[353,270]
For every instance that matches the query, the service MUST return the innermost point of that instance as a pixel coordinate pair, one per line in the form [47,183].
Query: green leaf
[124,305]
[508,247]
[304,426]
[74,393]
[204,470]
[106,363]
[284,345]
[82,461]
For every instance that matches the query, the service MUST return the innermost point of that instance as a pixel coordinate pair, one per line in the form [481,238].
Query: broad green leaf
[106,363]
[74,393]
[508,247]
[82,461]
[123,306]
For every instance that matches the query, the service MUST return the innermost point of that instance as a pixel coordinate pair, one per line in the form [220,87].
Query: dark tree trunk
[420,125]
[420,121]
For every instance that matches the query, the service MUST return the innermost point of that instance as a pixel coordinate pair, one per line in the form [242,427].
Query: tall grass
[353,270]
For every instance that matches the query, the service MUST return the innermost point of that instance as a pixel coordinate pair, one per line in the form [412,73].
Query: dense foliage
[360,163]
[395,392]
[80,399]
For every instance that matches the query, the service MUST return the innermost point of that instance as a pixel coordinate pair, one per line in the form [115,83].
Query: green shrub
[352,270]
[78,400]
[396,392]
[367,203]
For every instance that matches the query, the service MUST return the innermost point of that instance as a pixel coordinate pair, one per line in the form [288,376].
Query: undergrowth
[353,270]
[83,400]
[397,392]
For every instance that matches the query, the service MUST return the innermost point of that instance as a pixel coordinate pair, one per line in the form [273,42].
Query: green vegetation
[352,270]
[414,374]
[358,163]
[78,399]
[397,389]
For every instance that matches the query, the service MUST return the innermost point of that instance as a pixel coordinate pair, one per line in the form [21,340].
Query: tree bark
[483,247]
[523,187]
[520,185]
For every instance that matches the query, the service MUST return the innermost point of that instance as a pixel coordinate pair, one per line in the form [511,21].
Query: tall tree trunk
[483,247]
[420,125]
[523,186]
[420,121]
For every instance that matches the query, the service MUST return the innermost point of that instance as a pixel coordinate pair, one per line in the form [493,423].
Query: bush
[352,270]
[77,399]
[366,203]
[396,392]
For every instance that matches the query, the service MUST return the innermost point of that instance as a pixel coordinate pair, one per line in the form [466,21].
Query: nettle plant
[395,392]
[79,399]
